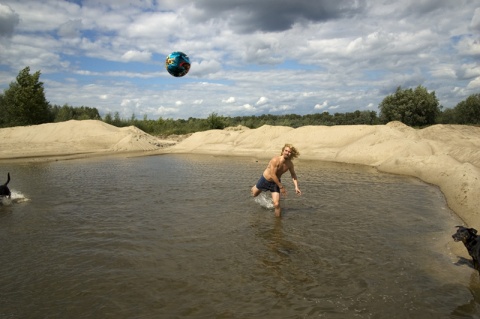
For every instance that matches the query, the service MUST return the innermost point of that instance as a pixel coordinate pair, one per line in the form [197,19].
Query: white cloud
[262,101]
[444,71]
[468,71]
[204,68]
[248,107]
[282,108]
[134,55]
[111,54]
[126,102]
[70,29]
[165,111]
[321,106]
[469,45]
[229,100]
[474,84]
[475,23]
[152,25]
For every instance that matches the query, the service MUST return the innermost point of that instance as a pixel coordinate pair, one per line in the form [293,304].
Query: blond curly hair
[295,152]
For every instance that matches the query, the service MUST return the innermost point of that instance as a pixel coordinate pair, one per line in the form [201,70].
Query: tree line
[24,103]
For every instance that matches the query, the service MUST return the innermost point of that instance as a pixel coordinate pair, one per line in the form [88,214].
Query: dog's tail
[8,179]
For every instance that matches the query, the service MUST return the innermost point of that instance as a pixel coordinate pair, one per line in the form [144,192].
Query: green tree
[64,113]
[2,112]
[108,118]
[468,111]
[447,116]
[24,102]
[215,122]
[411,107]
[117,121]
[87,113]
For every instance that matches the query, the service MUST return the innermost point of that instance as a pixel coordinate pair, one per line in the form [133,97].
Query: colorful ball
[177,64]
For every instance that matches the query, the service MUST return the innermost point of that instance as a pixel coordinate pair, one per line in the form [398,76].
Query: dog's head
[464,234]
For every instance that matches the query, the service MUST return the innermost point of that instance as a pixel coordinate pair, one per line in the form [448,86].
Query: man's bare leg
[276,204]
[255,191]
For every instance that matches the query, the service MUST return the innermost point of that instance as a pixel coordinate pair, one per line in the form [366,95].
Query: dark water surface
[178,236]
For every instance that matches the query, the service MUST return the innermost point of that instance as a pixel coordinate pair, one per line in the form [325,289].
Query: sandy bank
[73,139]
[443,155]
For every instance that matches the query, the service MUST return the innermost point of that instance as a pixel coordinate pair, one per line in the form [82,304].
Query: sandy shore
[74,139]
[443,155]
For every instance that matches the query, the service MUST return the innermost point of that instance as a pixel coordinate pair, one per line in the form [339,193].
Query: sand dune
[443,155]
[74,138]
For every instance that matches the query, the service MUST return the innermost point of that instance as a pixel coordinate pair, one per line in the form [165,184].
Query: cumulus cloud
[469,45]
[248,107]
[475,23]
[321,106]
[204,68]
[8,20]
[165,111]
[248,56]
[229,100]
[273,15]
[282,108]
[474,84]
[152,25]
[468,71]
[129,104]
[70,29]
[262,101]
[126,102]
[134,55]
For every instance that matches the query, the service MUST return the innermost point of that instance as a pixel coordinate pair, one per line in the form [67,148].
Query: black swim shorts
[265,185]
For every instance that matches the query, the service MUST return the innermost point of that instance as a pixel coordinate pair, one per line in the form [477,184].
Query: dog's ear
[473,231]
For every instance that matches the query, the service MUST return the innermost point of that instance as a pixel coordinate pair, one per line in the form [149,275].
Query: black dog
[468,236]
[4,190]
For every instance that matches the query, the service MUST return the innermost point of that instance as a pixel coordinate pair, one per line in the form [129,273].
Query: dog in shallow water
[469,237]
[4,190]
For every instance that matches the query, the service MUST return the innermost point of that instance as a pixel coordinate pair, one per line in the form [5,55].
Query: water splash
[16,197]
[264,200]
[5,201]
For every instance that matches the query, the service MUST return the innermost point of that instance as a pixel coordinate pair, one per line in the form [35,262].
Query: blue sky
[249,57]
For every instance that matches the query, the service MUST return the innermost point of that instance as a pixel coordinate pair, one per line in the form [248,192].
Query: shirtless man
[270,180]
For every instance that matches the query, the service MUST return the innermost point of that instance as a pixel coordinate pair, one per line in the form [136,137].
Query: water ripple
[180,236]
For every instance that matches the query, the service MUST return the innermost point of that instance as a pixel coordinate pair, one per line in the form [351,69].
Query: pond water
[177,236]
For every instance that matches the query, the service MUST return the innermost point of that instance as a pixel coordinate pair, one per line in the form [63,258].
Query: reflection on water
[179,236]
